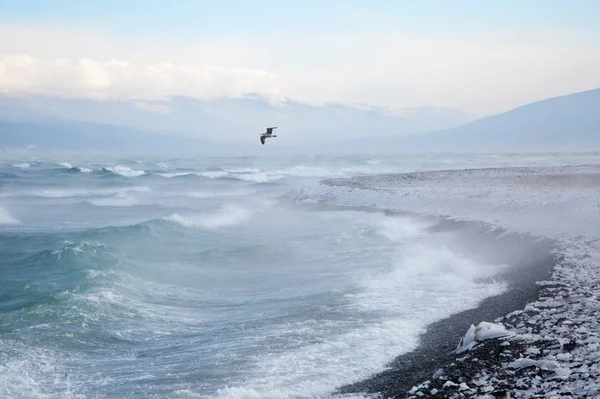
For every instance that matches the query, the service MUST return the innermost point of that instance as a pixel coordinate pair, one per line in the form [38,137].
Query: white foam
[6,218]
[418,288]
[175,174]
[258,177]
[65,193]
[243,170]
[81,169]
[124,171]
[227,215]
[216,174]
[120,199]
[253,177]
[22,165]
[24,370]
[70,193]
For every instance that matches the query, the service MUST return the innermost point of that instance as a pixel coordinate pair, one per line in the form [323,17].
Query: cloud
[388,68]
[77,76]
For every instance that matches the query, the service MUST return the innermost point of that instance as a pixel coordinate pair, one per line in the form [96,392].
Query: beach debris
[483,331]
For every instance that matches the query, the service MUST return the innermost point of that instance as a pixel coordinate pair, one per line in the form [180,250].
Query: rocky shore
[549,349]
[552,350]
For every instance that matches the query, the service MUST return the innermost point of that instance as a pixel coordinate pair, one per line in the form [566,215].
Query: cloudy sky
[477,56]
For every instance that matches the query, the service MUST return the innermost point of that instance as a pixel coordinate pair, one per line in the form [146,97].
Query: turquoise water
[211,278]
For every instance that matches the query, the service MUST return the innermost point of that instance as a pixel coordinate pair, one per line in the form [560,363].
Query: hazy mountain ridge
[230,119]
[568,122]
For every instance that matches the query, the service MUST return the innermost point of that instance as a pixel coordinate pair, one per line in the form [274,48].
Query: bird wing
[262,139]
[270,129]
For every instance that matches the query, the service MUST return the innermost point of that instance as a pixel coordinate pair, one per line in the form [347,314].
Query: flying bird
[269,133]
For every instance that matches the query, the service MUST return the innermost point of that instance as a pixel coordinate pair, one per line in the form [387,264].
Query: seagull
[269,133]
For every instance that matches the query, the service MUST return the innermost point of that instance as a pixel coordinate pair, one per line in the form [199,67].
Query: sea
[226,277]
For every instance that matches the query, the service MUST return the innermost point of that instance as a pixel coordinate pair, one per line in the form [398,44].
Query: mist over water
[213,278]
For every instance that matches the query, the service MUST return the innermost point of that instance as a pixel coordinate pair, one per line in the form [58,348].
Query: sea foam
[124,171]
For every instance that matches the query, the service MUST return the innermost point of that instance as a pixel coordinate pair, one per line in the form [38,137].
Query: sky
[476,56]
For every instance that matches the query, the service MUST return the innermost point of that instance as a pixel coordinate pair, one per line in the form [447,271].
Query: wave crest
[124,171]
[70,193]
[227,215]
[6,218]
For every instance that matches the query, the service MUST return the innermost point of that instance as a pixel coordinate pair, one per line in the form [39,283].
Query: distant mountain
[230,119]
[570,122]
[232,126]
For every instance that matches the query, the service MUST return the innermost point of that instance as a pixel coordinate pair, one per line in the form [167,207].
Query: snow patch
[483,331]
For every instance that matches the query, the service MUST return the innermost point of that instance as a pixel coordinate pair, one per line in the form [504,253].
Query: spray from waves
[399,229]
[66,165]
[422,283]
[227,215]
[6,218]
[124,171]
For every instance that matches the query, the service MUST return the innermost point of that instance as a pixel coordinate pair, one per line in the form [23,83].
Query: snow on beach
[551,348]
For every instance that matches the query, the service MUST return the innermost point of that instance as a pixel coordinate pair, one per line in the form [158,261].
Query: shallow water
[215,278]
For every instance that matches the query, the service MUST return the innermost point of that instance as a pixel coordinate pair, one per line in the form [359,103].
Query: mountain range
[232,125]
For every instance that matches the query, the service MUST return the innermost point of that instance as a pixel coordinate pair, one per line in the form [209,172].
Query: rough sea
[239,277]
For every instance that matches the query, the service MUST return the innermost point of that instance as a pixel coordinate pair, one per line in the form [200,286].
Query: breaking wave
[227,215]
[123,171]
[337,280]
[6,218]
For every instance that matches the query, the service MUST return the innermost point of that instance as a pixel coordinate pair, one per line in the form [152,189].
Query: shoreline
[437,343]
[554,350]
